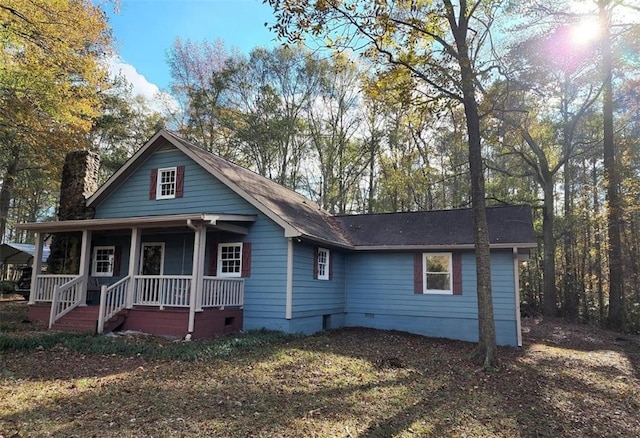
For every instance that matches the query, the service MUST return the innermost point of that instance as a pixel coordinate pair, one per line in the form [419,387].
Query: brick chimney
[79,181]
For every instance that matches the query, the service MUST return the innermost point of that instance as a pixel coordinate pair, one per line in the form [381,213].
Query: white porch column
[85,257]
[134,264]
[199,278]
[193,295]
[36,267]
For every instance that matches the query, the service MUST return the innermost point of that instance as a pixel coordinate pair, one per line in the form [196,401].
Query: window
[167,183]
[103,261]
[438,273]
[323,264]
[166,188]
[229,259]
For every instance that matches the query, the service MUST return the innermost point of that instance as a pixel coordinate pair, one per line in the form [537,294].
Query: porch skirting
[174,321]
[171,321]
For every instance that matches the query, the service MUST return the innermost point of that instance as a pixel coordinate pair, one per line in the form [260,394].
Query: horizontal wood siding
[265,289]
[380,295]
[314,298]
[202,192]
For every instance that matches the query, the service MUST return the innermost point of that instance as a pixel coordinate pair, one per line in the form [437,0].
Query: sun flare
[585,32]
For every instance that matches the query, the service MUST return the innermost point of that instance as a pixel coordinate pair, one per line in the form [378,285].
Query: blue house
[184,243]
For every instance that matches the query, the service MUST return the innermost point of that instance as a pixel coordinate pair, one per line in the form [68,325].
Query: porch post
[200,267]
[84,265]
[134,263]
[36,267]
[193,294]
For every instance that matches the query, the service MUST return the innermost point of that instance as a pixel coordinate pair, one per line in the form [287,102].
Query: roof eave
[466,246]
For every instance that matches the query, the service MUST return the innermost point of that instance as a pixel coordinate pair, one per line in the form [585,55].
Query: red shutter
[330,255]
[246,260]
[457,273]
[315,262]
[153,184]
[213,259]
[418,276]
[180,182]
[117,259]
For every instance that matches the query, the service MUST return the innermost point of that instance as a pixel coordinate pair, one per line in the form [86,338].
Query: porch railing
[112,300]
[65,298]
[221,292]
[162,290]
[45,284]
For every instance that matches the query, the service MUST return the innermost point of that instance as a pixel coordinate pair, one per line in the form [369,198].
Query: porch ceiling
[230,222]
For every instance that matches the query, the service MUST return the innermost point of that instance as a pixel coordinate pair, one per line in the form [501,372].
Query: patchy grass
[566,381]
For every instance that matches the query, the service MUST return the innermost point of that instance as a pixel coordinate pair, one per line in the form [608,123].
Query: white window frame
[426,273]
[94,263]
[159,183]
[219,268]
[323,265]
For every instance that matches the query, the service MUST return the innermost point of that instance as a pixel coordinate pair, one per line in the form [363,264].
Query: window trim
[162,170]
[94,262]
[425,273]
[327,263]
[219,263]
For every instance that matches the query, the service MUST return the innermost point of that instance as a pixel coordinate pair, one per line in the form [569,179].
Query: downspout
[289,291]
[516,281]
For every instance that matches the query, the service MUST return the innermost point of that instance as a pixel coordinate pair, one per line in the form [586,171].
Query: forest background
[361,126]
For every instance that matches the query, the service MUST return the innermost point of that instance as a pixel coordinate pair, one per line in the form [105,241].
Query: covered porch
[139,286]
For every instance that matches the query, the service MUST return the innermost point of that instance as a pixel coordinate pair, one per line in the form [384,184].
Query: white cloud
[158,100]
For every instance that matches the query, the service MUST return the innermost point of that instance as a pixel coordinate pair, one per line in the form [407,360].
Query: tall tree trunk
[570,287]
[549,301]
[487,334]
[598,243]
[6,192]
[614,208]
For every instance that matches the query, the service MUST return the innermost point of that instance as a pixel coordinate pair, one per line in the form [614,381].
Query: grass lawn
[567,381]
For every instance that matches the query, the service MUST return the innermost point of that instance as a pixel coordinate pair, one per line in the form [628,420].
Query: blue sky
[146,29]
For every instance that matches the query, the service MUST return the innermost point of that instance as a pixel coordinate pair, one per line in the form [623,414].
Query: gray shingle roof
[298,211]
[301,217]
[508,225]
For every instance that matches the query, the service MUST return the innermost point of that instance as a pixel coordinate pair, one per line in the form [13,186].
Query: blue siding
[381,295]
[317,303]
[367,289]
[202,192]
[265,290]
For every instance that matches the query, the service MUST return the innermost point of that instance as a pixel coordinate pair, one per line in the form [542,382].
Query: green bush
[149,348]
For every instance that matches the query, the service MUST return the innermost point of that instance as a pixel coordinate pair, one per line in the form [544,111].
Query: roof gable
[297,215]
[300,217]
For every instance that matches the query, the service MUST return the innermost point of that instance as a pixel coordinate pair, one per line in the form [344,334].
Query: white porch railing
[149,290]
[162,290]
[221,292]
[112,300]
[45,284]
[65,297]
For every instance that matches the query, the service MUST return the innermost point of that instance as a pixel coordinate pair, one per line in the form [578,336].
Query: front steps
[84,319]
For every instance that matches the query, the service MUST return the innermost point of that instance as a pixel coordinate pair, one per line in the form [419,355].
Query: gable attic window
[167,183]
[438,273]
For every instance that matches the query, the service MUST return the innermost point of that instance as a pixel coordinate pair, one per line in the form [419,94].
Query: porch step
[115,322]
[80,319]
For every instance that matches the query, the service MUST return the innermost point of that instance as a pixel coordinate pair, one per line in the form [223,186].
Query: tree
[51,71]
[441,46]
